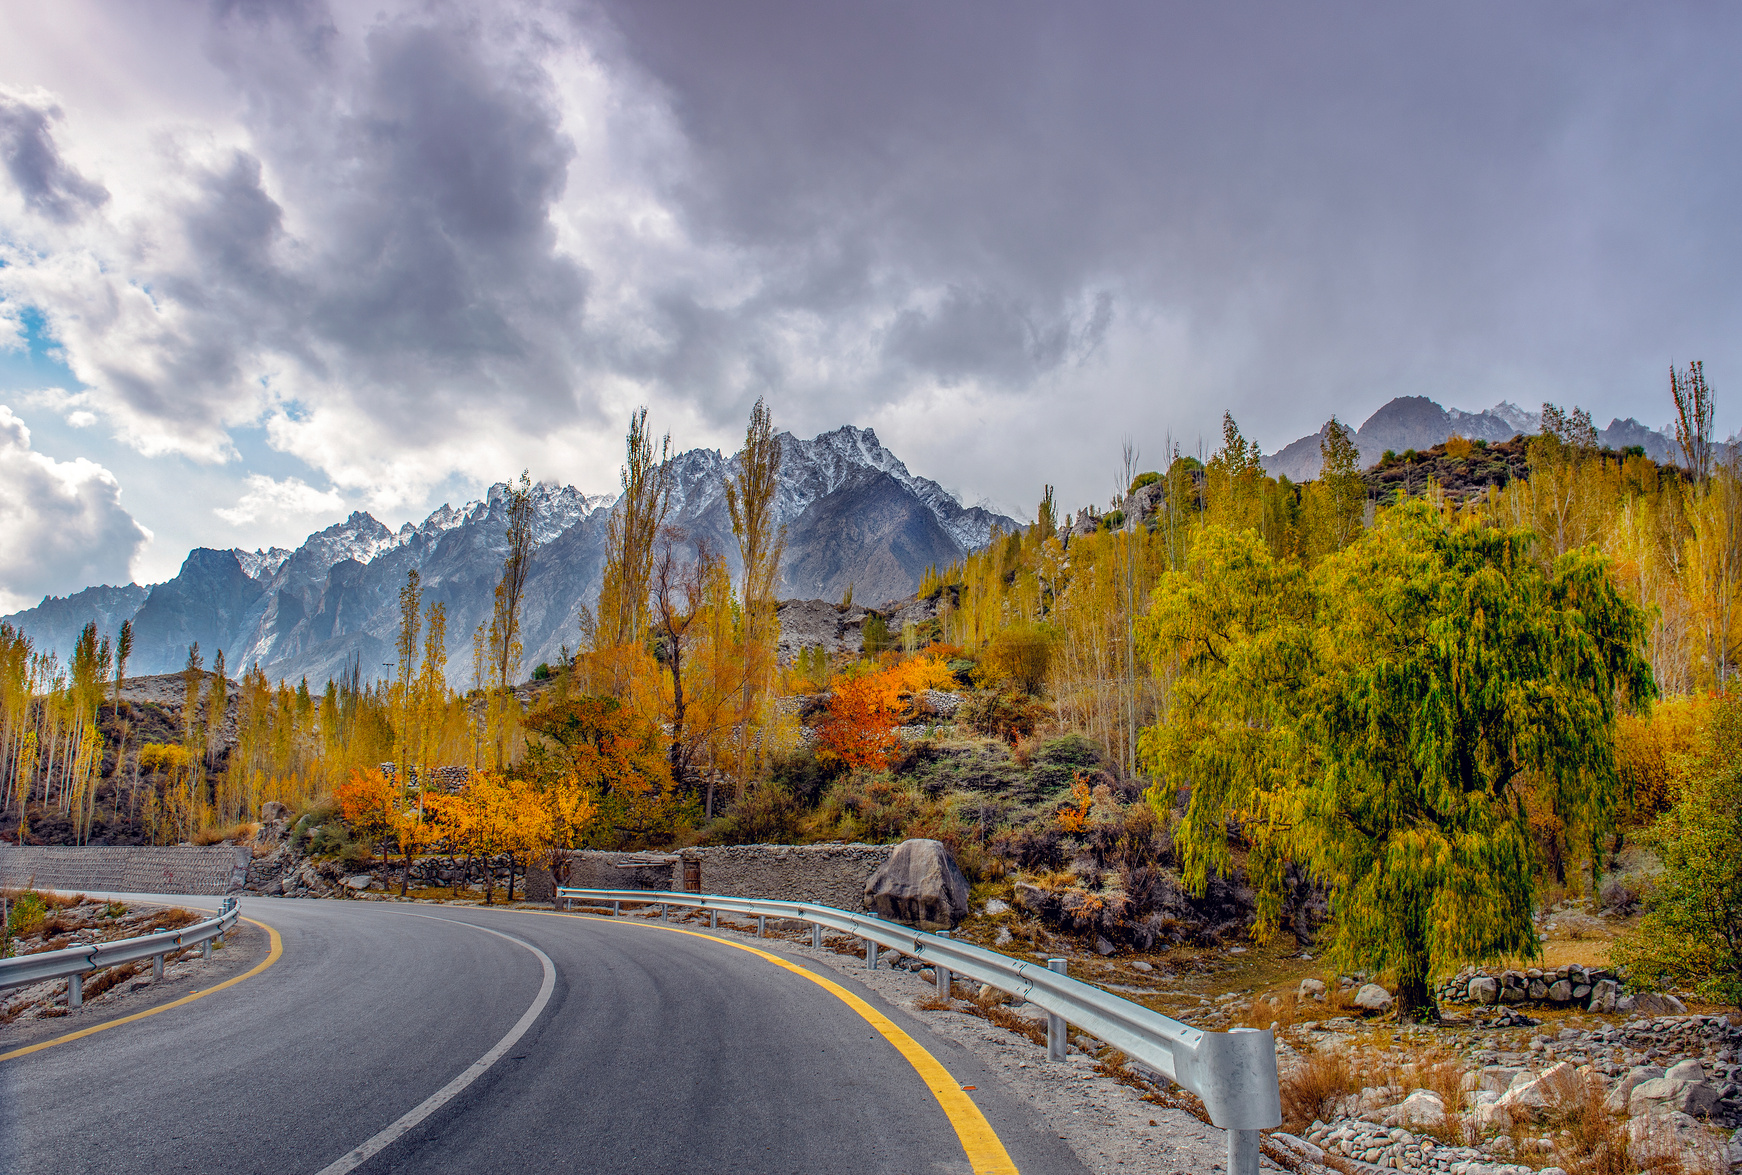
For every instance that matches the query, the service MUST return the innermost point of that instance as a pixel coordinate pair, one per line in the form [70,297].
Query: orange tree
[859,728]
[612,759]
[367,801]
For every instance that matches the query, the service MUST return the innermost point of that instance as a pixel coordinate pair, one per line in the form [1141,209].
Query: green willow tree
[1380,721]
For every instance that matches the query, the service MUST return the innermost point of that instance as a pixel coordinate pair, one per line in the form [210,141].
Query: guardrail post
[1242,1152]
[616,908]
[816,936]
[943,973]
[664,912]
[157,966]
[1055,1025]
[871,954]
[206,949]
[75,991]
[761,925]
[713,919]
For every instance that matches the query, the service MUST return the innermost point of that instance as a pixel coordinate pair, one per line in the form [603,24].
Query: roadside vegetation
[1383,718]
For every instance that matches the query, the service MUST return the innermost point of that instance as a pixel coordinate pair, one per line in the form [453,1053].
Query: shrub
[1003,714]
[542,673]
[875,634]
[1691,935]
[28,914]
[1016,658]
[768,814]
[1143,479]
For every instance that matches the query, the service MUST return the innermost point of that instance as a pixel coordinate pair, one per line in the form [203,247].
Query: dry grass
[236,832]
[171,919]
[110,978]
[1281,1011]
[1310,1087]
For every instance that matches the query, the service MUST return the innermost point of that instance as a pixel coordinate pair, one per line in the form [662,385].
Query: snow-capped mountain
[854,515]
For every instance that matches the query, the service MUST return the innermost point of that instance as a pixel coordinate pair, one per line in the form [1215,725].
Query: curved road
[642,1050]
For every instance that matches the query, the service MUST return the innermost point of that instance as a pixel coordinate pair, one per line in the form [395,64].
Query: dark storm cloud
[50,188]
[1357,200]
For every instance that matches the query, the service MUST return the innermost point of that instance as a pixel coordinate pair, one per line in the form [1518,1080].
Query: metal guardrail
[1234,1073]
[74,963]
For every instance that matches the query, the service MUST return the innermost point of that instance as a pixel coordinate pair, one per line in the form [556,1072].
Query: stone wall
[829,875]
[186,869]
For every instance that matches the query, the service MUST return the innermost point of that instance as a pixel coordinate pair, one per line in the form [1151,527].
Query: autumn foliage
[859,730]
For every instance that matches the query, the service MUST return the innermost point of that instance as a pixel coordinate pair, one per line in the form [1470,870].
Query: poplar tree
[1379,720]
[750,498]
[630,538]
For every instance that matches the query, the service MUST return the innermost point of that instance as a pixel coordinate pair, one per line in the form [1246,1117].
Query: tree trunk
[1414,999]
[405,873]
[511,879]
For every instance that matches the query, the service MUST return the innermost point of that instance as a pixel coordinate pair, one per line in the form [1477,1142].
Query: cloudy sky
[265,263]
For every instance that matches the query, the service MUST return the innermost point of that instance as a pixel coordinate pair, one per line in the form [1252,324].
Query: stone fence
[186,869]
[827,874]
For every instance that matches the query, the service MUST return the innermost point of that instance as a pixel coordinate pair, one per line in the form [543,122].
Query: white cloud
[62,525]
[277,501]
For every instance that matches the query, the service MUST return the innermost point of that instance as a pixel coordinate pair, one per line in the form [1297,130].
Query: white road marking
[448,1092]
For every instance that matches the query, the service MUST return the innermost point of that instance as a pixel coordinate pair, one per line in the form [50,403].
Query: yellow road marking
[271,958]
[986,1154]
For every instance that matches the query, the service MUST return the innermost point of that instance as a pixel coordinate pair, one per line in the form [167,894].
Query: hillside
[1416,422]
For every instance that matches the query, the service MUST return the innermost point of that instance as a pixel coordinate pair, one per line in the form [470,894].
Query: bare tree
[1693,418]
[677,598]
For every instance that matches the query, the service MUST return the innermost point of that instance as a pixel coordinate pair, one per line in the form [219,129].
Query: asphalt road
[641,1051]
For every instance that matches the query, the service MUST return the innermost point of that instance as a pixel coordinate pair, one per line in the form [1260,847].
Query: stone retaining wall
[187,869]
[829,874]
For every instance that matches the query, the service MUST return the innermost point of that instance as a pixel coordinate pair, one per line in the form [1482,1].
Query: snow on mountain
[260,564]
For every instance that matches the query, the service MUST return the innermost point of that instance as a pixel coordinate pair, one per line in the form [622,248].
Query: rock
[1538,989]
[1604,993]
[1650,1004]
[1540,1098]
[1140,965]
[272,811]
[1484,990]
[1493,1116]
[1560,991]
[1696,1098]
[1667,1131]
[997,906]
[1373,998]
[920,884]
[1581,991]
[1685,1071]
[1005,938]
[358,881]
[1421,1109]
[1649,1097]
[1310,1151]
[1102,946]
[1311,989]
[1496,1079]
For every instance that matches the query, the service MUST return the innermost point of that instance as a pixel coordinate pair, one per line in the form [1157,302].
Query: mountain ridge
[855,516]
[1417,422]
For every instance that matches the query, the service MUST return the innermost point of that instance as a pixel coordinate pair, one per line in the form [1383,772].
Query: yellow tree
[751,500]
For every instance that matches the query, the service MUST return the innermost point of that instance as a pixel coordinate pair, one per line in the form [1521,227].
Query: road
[387,1033]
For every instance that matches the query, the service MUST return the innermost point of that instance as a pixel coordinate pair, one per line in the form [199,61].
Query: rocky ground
[40,1011]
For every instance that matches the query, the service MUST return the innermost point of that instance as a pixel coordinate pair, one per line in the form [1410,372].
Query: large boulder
[1537,1099]
[1373,998]
[921,885]
[1483,990]
[1422,1109]
[1616,1102]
